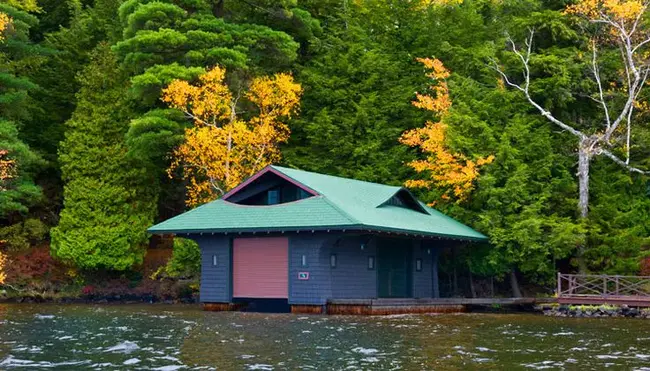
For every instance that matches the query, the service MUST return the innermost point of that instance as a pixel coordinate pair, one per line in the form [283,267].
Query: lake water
[158,337]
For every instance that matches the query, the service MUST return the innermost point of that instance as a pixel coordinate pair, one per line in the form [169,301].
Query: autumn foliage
[3,263]
[7,168]
[5,22]
[223,148]
[618,11]
[453,173]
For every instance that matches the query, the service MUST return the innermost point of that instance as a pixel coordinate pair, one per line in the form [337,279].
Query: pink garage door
[261,268]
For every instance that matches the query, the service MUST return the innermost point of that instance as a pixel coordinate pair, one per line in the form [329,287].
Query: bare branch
[635,81]
[596,72]
[524,60]
[639,45]
[617,160]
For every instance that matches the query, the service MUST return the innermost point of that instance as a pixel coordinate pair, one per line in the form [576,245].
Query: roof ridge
[280,168]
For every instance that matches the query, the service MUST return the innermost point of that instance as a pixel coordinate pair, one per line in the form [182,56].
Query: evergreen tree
[106,207]
[19,192]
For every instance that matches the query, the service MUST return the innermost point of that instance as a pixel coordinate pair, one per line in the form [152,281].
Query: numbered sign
[303,276]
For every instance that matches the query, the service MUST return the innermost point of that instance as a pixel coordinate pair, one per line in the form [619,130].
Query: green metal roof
[341,203]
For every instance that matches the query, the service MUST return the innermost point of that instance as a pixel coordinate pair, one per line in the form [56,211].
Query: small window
[302,194]
[371,262]
[333,261]
[303,261]
[215,260]
[418,265]
[273,197]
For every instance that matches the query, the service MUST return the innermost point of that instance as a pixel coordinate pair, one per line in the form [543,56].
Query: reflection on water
[160,337]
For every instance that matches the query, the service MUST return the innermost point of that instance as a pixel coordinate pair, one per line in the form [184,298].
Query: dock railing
[606,288]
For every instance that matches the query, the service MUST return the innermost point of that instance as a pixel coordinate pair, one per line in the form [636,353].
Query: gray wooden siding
[351,278]
[215,280]
[422,280]
[317,289]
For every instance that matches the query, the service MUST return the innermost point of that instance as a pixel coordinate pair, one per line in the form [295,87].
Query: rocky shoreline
[593,311]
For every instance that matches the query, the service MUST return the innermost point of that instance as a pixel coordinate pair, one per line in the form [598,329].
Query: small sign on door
[303,276]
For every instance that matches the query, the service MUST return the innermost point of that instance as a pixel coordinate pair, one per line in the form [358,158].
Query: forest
[525,119]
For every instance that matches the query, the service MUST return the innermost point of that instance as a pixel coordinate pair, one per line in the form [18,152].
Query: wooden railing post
[605,285]
[559,284]
[616,280]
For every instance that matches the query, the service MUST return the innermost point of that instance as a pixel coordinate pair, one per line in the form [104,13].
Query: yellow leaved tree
[5,23]
[453,173]
[7,168]
[223,148]
[3,264]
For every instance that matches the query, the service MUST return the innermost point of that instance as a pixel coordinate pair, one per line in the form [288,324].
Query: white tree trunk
[584,160]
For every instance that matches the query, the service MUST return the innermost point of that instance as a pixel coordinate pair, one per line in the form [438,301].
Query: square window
[215,260]
[333,261]
[371,262]
[273,197]
[418,265]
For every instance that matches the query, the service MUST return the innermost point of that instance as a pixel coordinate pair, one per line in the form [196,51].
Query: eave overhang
[356,228]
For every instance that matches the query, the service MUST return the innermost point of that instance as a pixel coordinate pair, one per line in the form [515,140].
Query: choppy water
[160,337]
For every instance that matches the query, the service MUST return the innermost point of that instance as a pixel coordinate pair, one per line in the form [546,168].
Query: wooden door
[394,269]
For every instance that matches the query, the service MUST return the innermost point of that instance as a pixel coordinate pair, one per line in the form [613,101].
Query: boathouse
[316,241]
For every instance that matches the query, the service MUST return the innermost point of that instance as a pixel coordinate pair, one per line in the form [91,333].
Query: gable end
[404,198]
[268,187]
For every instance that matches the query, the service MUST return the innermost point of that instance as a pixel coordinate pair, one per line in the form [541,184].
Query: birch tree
[223,147]
[615,23]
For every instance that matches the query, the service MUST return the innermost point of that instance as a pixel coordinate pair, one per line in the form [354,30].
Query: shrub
[185,261]
[21,236]
[35,269]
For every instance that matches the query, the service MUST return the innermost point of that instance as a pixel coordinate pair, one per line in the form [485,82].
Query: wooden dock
[439,305]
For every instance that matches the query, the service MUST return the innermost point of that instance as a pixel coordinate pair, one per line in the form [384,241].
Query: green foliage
[355,106]
[22,235]
[55,101]
[21,192]
[106,207]
[186,259]
[163,33]
[147,86]
[18,55]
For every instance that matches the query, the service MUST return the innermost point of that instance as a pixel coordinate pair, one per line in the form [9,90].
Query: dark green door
[394,269]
